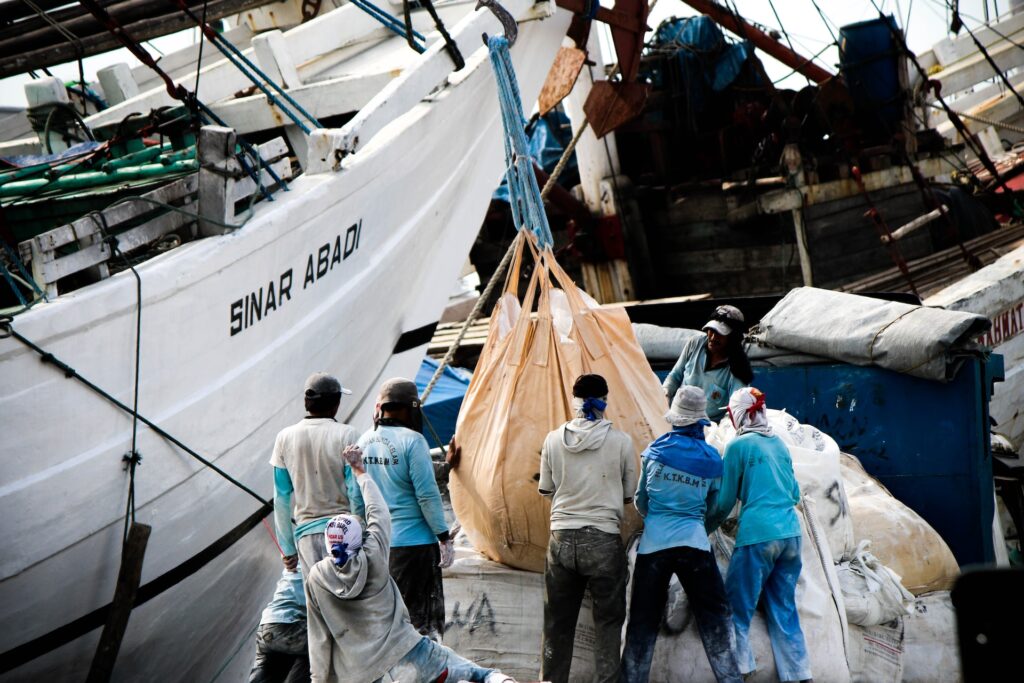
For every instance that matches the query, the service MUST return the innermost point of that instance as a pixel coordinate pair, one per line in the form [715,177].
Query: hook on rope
[508,22]
[5,326]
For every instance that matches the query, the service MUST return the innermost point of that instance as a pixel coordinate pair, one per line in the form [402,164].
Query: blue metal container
[927,442]
[869,62]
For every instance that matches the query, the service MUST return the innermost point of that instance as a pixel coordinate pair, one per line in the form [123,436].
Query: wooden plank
[326,98]
[148,232]
[974,69]
[66,234]
[414,84]
[129,577]
[65,51]
[727,259]
[952,50]
[222,79]
[244,187]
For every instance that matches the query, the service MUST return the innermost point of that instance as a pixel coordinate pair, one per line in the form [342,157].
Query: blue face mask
[592,406]
[339,551]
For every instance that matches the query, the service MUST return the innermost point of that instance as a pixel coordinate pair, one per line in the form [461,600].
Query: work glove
[447,553]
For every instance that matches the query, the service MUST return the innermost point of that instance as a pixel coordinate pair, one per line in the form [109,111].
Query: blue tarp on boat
[442,406]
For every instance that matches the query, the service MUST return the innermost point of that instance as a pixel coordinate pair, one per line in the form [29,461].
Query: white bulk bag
[816,465]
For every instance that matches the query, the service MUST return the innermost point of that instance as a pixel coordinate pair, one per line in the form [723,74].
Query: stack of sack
[873,593]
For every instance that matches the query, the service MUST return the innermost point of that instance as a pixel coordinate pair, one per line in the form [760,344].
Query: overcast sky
[925,22]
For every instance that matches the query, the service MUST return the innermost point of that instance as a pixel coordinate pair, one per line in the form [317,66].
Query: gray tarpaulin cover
[915,340]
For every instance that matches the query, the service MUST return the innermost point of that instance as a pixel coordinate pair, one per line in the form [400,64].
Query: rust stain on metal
[610,105]
[561,78]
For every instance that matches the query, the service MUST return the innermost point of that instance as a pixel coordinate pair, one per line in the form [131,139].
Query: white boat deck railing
[217,189]
[328,147]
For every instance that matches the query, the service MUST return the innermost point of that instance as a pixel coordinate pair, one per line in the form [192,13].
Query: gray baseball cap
[399,390]
[322,385]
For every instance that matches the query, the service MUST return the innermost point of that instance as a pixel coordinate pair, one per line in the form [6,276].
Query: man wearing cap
[714,362]
[397,458]
[359,629]
[758,471]
[312,483]
[588,470]
[679,473]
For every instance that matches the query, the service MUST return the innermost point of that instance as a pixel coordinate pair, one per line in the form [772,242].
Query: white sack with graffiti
[816,465]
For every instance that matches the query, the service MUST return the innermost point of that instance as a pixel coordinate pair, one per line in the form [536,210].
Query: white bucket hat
[688,407]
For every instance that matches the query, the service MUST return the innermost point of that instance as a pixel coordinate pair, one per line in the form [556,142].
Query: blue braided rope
[524,193]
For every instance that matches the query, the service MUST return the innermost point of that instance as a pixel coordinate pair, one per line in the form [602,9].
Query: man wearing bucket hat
[758,471]
[397,458]
[588,469]
[359,628]
[715,362]
[679,472]
[311,480]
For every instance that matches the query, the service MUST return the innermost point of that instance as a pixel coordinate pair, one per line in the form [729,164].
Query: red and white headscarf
[748,413]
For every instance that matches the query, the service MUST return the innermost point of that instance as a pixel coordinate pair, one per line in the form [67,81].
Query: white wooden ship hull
[360,262]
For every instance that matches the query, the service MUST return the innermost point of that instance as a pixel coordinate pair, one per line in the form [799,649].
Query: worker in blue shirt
[759,473]
[397,458]
[282,655]
[715,362]
[679,472]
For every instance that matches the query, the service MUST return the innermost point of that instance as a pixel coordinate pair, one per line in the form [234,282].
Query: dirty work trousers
[416,570]
[428,660]
[281,654]
[706,599]
[311,549]
[578,559]
[772,567]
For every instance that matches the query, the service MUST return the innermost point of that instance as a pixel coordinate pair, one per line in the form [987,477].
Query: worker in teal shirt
[759,473]
[397,458]
[714,362]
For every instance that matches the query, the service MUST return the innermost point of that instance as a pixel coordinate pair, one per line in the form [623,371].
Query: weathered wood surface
[49,265]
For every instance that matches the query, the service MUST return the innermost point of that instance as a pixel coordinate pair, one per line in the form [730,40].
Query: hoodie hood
[345,582]
[580,434]
[684,449]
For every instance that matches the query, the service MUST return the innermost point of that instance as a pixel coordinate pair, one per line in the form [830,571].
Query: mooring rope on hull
[7,330]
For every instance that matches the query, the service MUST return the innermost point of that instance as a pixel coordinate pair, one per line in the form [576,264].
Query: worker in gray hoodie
[589,470]
[358,627]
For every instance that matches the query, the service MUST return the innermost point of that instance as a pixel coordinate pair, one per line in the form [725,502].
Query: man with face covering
[359,629]
[588,469]
[397,458]
[758,471]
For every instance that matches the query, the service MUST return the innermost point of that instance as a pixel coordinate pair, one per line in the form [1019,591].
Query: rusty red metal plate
[561,78]
[610,105]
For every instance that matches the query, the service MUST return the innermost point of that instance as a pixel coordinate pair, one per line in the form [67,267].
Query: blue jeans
[698,574]
[428,660]
[772,567]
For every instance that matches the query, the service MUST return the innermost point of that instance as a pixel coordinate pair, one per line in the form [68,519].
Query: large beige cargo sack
[899,537]
[522,389]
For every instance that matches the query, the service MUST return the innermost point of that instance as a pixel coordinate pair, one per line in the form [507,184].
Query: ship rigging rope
[500,270]
[132,458]
[7,330]
[981,119]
